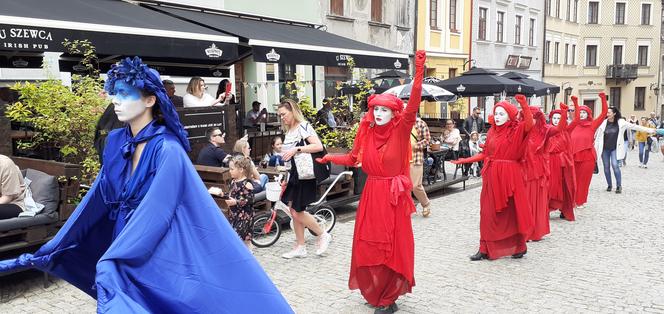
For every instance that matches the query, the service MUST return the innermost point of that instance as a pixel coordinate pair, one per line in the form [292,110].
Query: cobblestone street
[610,260]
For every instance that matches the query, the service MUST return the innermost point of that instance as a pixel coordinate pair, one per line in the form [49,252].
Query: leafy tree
[64,117]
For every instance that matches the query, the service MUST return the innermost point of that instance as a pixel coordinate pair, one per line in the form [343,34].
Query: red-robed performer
[506,220]
[537,172]
[383,254]
[583,147]
[562,182]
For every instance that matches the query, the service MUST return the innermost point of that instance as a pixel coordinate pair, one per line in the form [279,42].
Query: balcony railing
[622,71]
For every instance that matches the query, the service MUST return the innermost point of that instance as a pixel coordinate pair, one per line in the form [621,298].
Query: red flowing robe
[506,220]
[562,182]
[583,148]
[383,256]
[536,173]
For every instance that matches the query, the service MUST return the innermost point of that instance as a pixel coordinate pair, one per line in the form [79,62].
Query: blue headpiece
[136,73]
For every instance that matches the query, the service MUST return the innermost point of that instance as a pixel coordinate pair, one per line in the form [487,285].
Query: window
[640,98]
[591,55]
[531,33]
[573,57]
[614,97]
[517,30]
[645,13]
[593,12]
[377,11]
[482,27]
[548,7]
[452,72]
[404,13]
[576,8]
[567,14]
[337,7]
[643,56]
[558,8]
[433,14]
[556,46]
[453,15]
[269,71]
[617,54]
[499,27]
[620,13]
[590,103]
[566,53]
[547,50]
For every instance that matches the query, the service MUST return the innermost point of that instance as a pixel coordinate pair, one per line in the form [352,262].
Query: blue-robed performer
[148,237]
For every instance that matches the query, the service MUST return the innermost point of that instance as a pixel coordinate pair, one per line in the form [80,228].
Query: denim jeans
[259,186]
[644,152]
[609,160]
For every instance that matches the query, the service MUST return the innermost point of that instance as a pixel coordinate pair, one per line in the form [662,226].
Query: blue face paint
[128,101]
[125,92]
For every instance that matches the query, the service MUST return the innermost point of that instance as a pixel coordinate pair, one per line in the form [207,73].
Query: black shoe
[619,190]
[562,216]
[478,256]
[520,255]
[387,309]
[608,189]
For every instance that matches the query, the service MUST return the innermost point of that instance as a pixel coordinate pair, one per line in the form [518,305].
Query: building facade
[443,31]
[611,46]
[507,37]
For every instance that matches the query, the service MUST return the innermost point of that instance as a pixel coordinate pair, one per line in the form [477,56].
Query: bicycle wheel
[326,218]
[261,238]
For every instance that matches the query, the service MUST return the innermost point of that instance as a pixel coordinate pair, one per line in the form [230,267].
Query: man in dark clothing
[170,91]
[473,123]
[107,123]
[212,154]
[325,115]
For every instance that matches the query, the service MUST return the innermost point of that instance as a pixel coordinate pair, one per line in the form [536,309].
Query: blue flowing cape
[154,240]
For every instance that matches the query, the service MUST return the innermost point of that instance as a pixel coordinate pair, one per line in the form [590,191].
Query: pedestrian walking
[419,140]
[382,262]
[583,148]
[645,142]
[506,219]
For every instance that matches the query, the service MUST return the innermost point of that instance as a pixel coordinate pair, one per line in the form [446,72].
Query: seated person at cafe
[255,115]
[170,92]
[259,180]
[12,189]
[221,92]
[451,136]
[212,154]
[274,158]
[325,115]
[197,95]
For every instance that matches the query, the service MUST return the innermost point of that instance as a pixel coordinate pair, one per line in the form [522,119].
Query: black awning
[113,27]
[293,43]
[74,65]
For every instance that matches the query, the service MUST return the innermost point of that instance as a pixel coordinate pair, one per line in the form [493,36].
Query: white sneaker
[298,251]
[645,166]
[323,243]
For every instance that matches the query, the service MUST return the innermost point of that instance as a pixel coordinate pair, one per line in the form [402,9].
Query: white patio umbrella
[429,92]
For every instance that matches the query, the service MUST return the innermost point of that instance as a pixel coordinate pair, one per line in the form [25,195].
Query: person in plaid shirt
[419,140]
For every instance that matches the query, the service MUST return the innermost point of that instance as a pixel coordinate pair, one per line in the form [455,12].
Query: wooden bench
[13,242]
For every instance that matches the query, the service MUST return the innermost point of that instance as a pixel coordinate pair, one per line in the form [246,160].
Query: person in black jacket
[473,123]
[212,154]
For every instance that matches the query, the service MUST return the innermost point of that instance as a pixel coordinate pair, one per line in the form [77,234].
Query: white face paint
[555,119]
[583,115]
[128,101]
[382,115]
[500,116]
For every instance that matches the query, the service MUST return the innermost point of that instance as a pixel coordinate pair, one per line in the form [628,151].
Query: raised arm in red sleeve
[562,125]
[415,99]
[577,114]
[605,109]
[527,114]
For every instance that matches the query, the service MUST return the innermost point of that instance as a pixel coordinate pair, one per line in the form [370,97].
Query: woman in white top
[196,95]
[451,135]
[610,143]
[299,192]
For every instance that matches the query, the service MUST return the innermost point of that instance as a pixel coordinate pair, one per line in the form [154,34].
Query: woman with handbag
[299,144]
[383,257]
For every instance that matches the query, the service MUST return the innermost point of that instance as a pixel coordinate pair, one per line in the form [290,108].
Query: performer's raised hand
[564,106]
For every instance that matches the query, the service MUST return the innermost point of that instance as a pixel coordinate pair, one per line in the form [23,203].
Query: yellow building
[444,31]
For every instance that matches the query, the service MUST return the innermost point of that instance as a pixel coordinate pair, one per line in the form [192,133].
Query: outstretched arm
[605,109]
[469,160]
[577,114]
[349,159]
[527,114]
[416,91]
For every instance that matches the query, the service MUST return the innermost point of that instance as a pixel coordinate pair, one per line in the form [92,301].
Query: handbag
[306,166]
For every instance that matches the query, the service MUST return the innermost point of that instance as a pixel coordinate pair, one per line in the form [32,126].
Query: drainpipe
[470,48]
[546,103]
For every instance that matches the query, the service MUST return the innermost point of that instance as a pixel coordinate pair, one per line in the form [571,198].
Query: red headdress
[558,111]
[512,113]
[381,133]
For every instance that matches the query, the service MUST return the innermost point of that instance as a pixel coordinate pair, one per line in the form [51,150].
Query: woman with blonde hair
[197,96]
[300,137]
[242,148]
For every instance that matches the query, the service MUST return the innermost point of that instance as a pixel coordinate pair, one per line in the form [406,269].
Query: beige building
[599,45]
